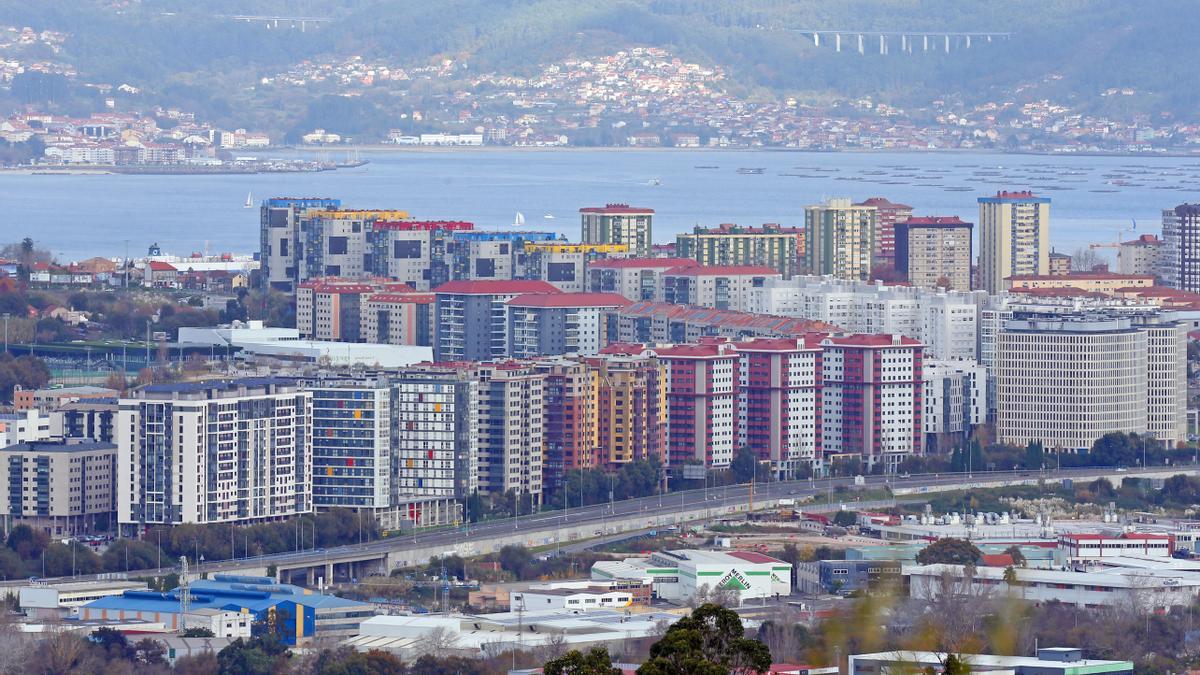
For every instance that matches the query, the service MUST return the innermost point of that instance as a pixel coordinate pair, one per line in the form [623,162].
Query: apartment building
[571,324]
[397,318]
[618,224]
[635,278]
[954,396]
[888,215]
[871,399]
[337,241]
[329,308]
[719,287]
[472,318]
[511,430]
[1014,237]
[492,255]
[565,265]
[281,246]
[839,239]
[1141,256]
[934,252]
[946,322]
[770,245]
[1108,283]
[702,417]
[414,251]
[227,451]
[62,487]
[570,399]
[660,322]
[779,401]
[351,444]
[631,408]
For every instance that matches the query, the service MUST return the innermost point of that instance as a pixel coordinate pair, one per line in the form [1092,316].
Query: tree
[744,466]
[950,551]
[595,662]
[198,632]
[708,642]
[1017,556]
[845,518]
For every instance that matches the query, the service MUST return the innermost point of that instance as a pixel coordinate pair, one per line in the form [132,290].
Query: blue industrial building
[296,614]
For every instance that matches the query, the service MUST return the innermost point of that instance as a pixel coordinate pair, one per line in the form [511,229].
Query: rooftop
[64,446]
[569,300]
[225,591]
[501,287]
[936,221]
[633,263]
[616,209]
[721,270]
[863,340]
[1005,196]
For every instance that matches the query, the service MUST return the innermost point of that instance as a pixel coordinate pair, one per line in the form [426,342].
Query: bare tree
[439,641]
[554,646]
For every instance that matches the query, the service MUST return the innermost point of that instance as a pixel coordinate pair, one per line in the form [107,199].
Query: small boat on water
[549,216]
[655,182]
[752,171]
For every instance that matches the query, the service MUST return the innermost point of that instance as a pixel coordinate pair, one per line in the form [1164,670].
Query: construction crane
[1120,237]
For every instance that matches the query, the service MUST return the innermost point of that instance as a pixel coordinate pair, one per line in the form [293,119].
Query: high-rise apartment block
[955,402]
[351,444]
[1141,256]
[701,403]
[281,244]
[229,451]
[565,265]
[871,396]
[553,324]
[414,251]
[511,430]
[486,255]
[570,399]
[1181,247]
[1014,237]
[396,318]
[723,287]
[839,239]
[471,317]
[619,224]
[631,408]
[934,252]
[779,411]
[337,243]
[634,278]
[888,215]
[769,245]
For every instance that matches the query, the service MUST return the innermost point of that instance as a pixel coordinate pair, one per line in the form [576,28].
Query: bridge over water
[907,42]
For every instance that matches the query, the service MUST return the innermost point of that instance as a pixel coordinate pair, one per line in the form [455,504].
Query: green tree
[845,518]
[709,642]
[955,666]
[744,466]
[595,662]
[198,632]
[950,551]
[1017,556]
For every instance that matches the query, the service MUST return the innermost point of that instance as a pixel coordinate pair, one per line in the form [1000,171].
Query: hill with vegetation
[197,57]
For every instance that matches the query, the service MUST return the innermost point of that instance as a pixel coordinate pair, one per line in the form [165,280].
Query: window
[338,245]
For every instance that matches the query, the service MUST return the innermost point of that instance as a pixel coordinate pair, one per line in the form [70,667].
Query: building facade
[770,245]
[471,317]
[59,487]
[618,224]
[888,215]
[723,287]
[281,247]
[839,239]
[1181,247]
[934,252]
[635,278]
[570,324]
[565,265]
[779,407]
[231,451]
[351,445]
[1014,237]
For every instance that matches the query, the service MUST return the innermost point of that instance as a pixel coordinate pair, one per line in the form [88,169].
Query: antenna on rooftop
[185,596]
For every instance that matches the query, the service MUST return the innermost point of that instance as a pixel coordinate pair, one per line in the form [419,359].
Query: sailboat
[549,216]
[249,200]
[519,219]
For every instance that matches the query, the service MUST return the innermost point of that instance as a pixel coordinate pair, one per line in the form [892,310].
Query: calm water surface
[81,216]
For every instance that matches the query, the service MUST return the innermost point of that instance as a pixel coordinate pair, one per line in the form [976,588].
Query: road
[653,508]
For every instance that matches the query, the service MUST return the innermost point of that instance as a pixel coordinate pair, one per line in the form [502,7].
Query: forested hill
[196,51]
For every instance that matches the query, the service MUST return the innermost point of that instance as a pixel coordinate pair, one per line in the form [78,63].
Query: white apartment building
[1014,237]
[230,451]
[396,318]
[944,321]
[1067,380]
[29,425]
[635,278]
[954,400]
[717,286]
[435,435]
[60,487]
[510,430]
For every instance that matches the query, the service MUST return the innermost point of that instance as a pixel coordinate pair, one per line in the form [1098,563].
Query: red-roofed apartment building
[573,324]
[779,401]
[871,398]
[328,308]
[634,278]
[618,224]
[471,317]
[888,213]
[702,410]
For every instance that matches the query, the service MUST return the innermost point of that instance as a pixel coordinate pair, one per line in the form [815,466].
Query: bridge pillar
[882,44]
[924,43]
[816,39]
[860,43]
[968,42]
[947,43]
[837,42]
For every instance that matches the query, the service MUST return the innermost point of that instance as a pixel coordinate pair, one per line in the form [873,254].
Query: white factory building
[255,341]
[679,575]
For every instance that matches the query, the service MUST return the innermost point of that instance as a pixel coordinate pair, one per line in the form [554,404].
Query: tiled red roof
[627,263]
[615,209]
[402,298]
[883,203]
[160,266]
[721,270]
[720,318]
[694,351]
[570,300]
[423,225]
[1057,292]
[1148,239]
[997,559]
[865,340]
[811,341]
[498,287]
[1083,276]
